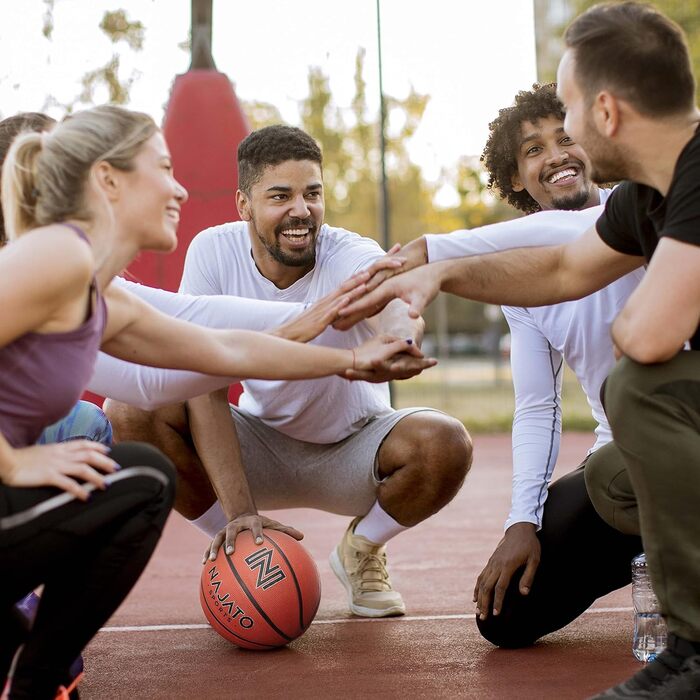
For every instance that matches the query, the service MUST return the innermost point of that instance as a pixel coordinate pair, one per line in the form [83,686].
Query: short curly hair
[273,145]
[500,153]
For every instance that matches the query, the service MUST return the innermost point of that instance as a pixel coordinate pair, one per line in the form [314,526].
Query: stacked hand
[62,465]
[397,261]
[246,521]
[385,357]
[314,320]
[416,288]
[519,547]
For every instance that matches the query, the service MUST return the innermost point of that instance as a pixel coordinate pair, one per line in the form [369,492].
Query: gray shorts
[287,473]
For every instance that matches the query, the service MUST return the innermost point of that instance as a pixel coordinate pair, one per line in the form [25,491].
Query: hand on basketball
[314,320]
[519,547]
[246,521]
[63,465]
[417,288]
[384,357]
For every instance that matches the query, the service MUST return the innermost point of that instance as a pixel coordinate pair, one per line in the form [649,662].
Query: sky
[470,56]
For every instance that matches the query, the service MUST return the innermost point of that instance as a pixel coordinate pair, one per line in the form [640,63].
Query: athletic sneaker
[26,610]
[63,693]
[70,692]
[673,675]
[360,565]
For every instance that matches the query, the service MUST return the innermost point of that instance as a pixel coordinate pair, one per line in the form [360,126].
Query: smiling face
[609,161]
[552,167]
[284,211]
[151,197]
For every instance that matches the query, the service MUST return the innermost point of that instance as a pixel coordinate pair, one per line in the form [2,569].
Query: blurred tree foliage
[349,138]
[118,28]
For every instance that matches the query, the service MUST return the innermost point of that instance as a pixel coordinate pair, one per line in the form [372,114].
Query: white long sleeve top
[542,339]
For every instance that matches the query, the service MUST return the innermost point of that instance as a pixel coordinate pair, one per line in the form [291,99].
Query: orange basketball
[262,596]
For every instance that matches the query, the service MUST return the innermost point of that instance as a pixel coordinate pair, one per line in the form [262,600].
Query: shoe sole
[360,610]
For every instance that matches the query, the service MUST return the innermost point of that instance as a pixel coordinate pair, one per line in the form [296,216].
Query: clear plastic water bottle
[649,627]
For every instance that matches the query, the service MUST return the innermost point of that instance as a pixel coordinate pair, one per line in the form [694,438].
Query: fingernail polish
[409,341]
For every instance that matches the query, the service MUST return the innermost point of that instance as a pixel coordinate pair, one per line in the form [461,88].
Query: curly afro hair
[499,156]
[273,145]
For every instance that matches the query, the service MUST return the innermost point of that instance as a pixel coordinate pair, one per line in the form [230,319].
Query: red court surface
[158,645]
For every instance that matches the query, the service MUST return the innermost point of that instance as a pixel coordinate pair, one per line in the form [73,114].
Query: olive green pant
[648,480]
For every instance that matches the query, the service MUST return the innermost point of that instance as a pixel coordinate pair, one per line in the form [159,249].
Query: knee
[624,387]
[130,423]
[85,421]
[610,490]
[597,478]
[504,635]
[443,447]
[126,420]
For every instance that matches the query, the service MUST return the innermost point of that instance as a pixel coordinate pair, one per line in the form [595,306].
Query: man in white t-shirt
[535,581]
[328,444]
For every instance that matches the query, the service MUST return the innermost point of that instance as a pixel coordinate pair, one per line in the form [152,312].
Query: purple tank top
[43,374]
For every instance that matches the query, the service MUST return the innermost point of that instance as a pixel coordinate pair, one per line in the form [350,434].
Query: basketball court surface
[159,646]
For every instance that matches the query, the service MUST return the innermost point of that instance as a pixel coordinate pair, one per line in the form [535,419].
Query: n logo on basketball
[268,575]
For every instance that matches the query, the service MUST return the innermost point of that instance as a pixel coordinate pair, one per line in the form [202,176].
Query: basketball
[262,596]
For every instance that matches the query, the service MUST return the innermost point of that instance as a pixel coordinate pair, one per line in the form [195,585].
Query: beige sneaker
[361,567]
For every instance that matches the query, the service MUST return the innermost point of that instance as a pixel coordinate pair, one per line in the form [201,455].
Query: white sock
[378,526]
[211,521]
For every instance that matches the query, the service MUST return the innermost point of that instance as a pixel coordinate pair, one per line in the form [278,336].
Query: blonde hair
[44,175]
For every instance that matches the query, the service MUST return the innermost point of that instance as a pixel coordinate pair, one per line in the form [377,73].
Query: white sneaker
[360,565]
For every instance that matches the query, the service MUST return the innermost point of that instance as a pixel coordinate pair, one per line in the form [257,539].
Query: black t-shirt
[637,216]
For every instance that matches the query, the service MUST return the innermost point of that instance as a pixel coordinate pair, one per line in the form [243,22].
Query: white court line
[342,621]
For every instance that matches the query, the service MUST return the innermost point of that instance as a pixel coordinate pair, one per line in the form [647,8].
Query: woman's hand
[62,465]
[384,357]
[314,320]
[246,521]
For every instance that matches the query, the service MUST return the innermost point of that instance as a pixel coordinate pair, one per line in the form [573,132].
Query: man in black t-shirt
[628,88]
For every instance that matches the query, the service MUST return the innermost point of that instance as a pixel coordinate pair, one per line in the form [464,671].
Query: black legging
[582,559]
[87,555]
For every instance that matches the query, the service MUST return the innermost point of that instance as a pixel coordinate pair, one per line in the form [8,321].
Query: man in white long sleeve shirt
[533,583]
[535,165]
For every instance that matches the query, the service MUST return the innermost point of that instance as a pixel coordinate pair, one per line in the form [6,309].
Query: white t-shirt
[542,338]
[219,261]
[151,387]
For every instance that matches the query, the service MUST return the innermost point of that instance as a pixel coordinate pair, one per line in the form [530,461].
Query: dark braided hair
[500,153]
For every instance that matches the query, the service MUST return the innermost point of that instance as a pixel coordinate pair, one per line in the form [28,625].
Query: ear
[516,183]
[606,114]
[243,206]
[106,179]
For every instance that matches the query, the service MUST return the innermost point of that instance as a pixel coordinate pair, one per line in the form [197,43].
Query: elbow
[641,337]
[650,351]
[645,347]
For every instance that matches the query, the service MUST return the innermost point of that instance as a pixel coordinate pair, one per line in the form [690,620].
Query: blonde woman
[80,202]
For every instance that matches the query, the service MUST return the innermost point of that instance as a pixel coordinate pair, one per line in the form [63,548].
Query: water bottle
[649,627]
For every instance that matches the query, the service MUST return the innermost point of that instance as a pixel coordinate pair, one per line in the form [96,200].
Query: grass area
[481,395]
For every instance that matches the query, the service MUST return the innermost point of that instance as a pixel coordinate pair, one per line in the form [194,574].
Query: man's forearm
[216,441]
[522,277]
